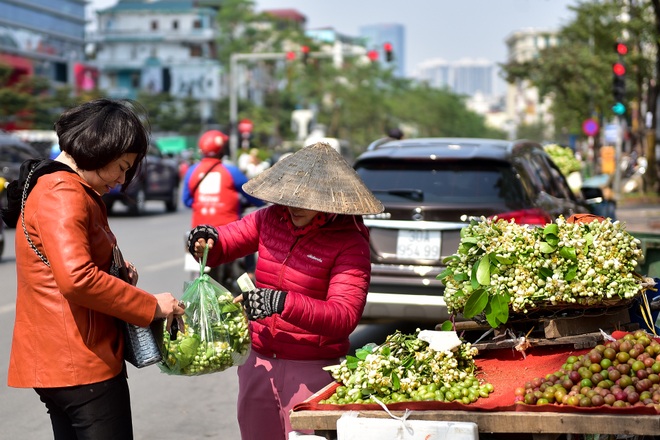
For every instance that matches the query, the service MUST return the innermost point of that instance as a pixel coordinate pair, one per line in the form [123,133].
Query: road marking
[7,308]
[163,265]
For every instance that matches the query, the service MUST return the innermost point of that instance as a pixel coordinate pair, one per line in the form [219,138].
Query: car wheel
[172,203]
[137,206]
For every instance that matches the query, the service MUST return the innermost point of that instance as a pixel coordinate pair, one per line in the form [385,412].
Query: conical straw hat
[316,177]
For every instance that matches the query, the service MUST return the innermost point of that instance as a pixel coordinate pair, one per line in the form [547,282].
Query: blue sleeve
[239,180]
[186,196]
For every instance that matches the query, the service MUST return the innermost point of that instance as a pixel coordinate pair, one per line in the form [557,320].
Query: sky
[448,29]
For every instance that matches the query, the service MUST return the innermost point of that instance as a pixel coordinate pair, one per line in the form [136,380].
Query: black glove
[260,303]
[202,231]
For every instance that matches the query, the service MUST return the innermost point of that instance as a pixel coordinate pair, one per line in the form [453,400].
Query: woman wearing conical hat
[312,277]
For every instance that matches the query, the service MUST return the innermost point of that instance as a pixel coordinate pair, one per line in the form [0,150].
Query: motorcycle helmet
[212,142]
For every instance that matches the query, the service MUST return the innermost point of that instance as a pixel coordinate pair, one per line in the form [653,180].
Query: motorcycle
[634,177]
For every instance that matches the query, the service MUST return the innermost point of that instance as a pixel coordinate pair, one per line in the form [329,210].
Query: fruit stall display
[530,394]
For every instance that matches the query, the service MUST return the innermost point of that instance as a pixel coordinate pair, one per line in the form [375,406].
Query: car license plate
[424,245]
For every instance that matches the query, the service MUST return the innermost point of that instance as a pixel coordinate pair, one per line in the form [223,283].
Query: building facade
[524,106]
[464,77]
[377,35]
[44,38]
[159,46]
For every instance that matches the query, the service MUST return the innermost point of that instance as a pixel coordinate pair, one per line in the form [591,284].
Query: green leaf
[571,273]
[473,276]
[447,326]
[545,272]
[450,258]
[503,260]
[483,272]
[475,303]
[352,362]
[589,239]
[546,248]
[461,277]
[362,353]
[568,252]
[551,229]
[396,383]
[444,274]
[385,350]
[498,309]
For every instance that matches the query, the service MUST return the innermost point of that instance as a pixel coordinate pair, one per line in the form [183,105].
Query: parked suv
[429,187]
[158,179]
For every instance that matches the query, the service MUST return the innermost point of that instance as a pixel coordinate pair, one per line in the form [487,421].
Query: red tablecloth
[505,369]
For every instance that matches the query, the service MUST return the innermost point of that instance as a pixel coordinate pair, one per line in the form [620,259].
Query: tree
[357,101]
[577,73]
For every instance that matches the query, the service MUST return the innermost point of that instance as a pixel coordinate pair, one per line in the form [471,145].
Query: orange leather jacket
[66,332]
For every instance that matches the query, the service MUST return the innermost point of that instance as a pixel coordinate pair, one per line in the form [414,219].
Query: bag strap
[27,236]
[194,189]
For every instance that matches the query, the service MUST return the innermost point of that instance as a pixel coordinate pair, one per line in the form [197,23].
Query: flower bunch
[501,266]
[405,368]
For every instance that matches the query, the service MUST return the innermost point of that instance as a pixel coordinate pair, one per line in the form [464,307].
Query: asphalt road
[164,407]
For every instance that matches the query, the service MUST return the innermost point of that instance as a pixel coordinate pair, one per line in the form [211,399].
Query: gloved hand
[202,231]
[260,303]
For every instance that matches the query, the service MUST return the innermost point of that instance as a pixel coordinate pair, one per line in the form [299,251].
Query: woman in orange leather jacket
[67,343]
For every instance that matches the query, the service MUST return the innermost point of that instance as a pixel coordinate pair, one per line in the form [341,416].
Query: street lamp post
[233,88]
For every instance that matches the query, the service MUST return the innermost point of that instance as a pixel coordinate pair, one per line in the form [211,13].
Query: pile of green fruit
[405,368]
[621,373]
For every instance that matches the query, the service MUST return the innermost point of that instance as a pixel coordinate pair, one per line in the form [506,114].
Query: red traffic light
[389,56]
[304,49]
[619,69]
[621,48]
[290,56]
[372,55]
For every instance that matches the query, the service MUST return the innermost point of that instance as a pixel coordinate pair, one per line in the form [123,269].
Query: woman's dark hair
[97,132]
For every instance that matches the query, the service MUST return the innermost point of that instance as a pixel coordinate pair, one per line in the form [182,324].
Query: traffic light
[305,54]
[387,48]
[372,55]
[619,80]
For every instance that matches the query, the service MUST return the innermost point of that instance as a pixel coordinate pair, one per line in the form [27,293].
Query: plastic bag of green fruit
[215,334]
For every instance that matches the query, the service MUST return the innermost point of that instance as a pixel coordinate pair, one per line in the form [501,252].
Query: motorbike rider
[214,190]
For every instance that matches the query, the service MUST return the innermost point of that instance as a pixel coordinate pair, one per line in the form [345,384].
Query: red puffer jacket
[326,273]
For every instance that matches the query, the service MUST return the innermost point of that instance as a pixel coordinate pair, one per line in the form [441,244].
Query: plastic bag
[215,335]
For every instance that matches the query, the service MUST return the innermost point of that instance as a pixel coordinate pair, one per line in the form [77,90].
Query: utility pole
[233,86]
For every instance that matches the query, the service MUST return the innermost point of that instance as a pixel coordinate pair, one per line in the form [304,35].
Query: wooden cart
[560,334]
[539,425]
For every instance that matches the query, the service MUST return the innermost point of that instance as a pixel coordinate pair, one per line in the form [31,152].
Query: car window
[456,182]
[13,154]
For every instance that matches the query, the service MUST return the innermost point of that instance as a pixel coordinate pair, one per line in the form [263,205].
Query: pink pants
[267,390]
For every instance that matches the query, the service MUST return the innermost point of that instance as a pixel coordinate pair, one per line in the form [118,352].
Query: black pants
[99,411]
